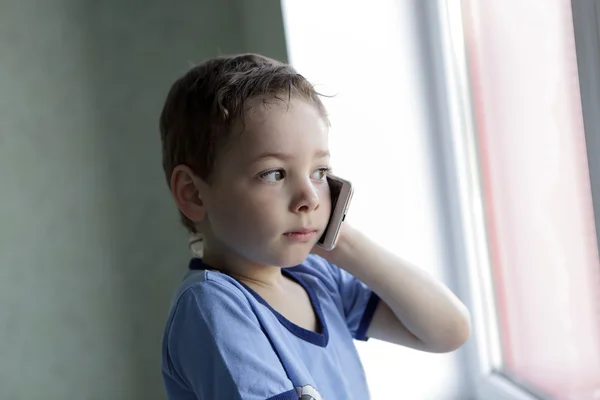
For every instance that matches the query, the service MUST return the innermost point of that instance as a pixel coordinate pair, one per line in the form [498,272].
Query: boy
[264,314]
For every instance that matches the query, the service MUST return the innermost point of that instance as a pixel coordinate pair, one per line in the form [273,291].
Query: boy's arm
[416,311]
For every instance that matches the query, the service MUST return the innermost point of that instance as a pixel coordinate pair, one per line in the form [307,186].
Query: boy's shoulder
[205,294]
[207,285]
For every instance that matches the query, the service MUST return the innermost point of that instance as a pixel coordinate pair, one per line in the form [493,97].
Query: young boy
[264,314]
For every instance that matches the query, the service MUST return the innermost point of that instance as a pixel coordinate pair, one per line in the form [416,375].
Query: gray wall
[90,244]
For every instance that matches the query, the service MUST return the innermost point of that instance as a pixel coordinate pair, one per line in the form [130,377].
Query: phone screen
[335,187]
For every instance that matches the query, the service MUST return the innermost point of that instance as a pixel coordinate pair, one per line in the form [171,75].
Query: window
[501,89]
[525,198]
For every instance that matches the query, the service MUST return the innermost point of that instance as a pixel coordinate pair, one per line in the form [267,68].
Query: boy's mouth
[302,234]
[303,230]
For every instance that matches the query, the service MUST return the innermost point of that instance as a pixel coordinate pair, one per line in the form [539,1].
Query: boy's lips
[302,235]
[302,230]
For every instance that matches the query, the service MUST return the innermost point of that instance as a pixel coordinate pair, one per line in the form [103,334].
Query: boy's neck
[248,272]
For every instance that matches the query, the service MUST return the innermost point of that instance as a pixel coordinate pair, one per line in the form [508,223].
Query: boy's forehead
[279,127]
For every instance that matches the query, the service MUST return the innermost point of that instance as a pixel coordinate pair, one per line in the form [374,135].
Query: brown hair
[205,102]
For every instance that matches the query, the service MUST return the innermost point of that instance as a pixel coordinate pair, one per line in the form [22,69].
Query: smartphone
[341,194]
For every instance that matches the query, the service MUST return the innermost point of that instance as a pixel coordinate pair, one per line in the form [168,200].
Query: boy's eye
[273,176]
[279,174]
[320,174]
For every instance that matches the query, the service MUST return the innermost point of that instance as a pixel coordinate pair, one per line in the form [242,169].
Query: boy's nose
[307,200]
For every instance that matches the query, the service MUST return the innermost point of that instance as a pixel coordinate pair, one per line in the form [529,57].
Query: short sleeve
[214,348]
[358,300]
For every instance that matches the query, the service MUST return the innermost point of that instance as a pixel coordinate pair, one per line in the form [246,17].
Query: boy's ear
[186,189]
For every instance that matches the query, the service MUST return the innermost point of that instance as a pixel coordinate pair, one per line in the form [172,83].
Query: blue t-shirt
[223,341]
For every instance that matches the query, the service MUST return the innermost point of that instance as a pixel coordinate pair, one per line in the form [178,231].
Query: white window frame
[468,223]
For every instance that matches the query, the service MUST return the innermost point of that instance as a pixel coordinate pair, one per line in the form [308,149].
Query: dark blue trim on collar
[317,338]
[197,264]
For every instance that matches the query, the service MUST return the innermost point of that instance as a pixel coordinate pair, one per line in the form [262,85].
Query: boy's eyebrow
[287,156]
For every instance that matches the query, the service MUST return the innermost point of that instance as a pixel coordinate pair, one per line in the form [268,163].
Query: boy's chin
[288,259]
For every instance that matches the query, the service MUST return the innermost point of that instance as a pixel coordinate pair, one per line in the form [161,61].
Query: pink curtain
[537,194]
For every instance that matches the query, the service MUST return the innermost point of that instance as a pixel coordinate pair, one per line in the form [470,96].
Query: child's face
[270,181]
